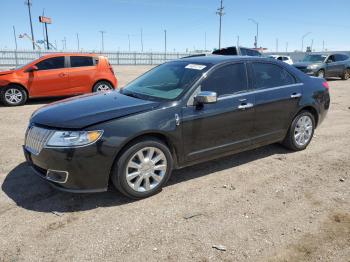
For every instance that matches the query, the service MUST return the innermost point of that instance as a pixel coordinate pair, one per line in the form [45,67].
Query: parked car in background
[283,58]
[233,50]
[62,74]
[177,114]
[236,50]
[333,65]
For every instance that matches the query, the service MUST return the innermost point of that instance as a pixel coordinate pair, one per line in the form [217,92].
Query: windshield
[167,81]
[314,58]
[22,66]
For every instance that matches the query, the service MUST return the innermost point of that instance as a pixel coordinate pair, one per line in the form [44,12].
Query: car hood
[2,73]
[306,64]
[86,110]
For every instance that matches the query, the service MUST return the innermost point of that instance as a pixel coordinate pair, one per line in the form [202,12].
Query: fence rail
[16,58]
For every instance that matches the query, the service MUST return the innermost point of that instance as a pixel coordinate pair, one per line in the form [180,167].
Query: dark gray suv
[333,65]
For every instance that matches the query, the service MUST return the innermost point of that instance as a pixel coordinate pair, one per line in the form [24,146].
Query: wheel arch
[313,111]
[18,85]
[101,80]
[160,136]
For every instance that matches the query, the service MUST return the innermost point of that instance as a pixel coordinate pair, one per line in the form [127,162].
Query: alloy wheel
[303,131]
[103,88]
[320,74]
[13,96]
[146,169]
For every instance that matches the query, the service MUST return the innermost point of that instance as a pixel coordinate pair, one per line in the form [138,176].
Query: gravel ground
[267,204]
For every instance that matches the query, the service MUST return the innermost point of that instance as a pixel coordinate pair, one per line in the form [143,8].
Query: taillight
[325,84]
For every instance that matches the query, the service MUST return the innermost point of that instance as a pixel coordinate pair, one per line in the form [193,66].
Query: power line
[220,12]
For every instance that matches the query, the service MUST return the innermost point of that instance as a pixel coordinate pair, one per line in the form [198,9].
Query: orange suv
[57,75]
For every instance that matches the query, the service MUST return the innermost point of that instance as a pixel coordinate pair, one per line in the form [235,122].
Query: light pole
[165,44]
[302,40]
[257,31]
[78,42]
[102,39]
[220,12]
[129,41]
[29,4]
[141,40]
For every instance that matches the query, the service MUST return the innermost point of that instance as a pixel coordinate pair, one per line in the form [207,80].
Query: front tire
[321,73]
[102,86]
[346,74]
[300,132]
[13,96]
[143,168]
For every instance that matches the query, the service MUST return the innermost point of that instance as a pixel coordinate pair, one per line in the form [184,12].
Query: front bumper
[87,168]
[310,72]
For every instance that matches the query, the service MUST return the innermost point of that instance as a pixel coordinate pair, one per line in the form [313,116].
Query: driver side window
[331,59]
[226,80]
[51,63]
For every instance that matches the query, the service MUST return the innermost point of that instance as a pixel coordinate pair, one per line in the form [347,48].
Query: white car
[283,58]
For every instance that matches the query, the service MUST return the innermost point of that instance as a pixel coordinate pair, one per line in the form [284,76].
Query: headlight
[313,66]
[73,138]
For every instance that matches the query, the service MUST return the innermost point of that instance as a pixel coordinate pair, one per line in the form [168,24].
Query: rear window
[79,61]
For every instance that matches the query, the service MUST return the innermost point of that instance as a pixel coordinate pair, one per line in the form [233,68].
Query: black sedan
[179,113]
[323,66]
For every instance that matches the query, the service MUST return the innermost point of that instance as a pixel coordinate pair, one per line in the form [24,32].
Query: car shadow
[33,193]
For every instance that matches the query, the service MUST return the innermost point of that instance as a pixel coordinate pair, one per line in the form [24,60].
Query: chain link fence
[10,58]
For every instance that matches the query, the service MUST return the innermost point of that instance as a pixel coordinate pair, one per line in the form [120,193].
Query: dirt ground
[267,204]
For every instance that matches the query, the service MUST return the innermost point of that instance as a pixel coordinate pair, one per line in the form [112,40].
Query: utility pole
[141,40]
[102,43]
[165,44]
[238,41]
[78,44]
[64,43]
[44,36]
[205,41]
[302,40]
[312,44]
[29,4]
[129,42]
[323,45]
[277,45]
[14,35]
[286,47]
[220,12]
[257,32]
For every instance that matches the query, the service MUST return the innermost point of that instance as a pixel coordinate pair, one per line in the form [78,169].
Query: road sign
[45,20]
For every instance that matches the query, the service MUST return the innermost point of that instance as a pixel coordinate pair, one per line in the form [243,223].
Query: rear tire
[13,95]
[346,74]
[300,132]
[321,74]
[143,168]
[102,86]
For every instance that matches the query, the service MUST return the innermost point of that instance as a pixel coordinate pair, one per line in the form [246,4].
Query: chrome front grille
[36,138]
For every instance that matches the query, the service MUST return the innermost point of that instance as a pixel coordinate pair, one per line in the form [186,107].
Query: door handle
[62,74]
[245,106]
[295,95]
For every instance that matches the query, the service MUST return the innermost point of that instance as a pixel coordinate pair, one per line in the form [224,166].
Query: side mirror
[32,68]
[329,61]
[206,97]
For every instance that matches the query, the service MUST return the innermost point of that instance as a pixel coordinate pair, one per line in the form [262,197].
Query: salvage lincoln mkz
[179,113]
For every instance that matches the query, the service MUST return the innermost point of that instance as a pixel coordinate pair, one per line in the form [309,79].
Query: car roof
[69,54]
[217,59]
